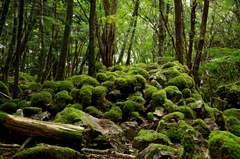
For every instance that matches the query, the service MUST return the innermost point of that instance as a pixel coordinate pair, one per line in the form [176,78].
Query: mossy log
[62,133]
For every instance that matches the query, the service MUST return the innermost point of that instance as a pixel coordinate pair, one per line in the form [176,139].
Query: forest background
[52,39]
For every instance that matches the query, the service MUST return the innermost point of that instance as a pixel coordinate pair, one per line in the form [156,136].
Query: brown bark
[192,33]
[178,30]
[201,42]
[65,42]
[4,15]
[161,30]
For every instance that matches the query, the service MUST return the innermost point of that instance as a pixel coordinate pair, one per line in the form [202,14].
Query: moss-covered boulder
[157,100]
[138,71]
[80,80]
[233,125]
[224,145]
[61,100]
[53,152]
[85,95]
[200,126]
[173,94]
[187,111]
[115,114]
[178,81]
[3,88]
[158,151]
[171,73]
[94,111]
[234,112]
[136,83]
[53,85]
[168,106]
[101,77]
[69,116]
[174,130]
[145,137]
[34,86]
[98,96]
[131,106]
[9,107]
[42,99]
[65,85]
[148,92]
[175,116]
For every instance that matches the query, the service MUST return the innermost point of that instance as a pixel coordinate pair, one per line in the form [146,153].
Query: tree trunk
[161,30]
[65,42]
[201,42]
[91,56]
[4,15]
[18,50]
[12,44]
[68,134]
[178,30]
[191,34]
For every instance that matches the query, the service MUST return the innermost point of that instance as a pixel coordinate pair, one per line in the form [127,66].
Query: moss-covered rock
[173,94]
[65,85]
[121,84]
[131,106]
[148,93]
[136,83]
[23,104]
[171,73]
[53,152]
[233,125]
[34,86]
[101,77]
[201,127]
[168,106]
[85,95]
[232,112]
[76,106]
[138,71]
[187,111]
[61,100]
[174,130]
[100,67]
[50,85]
[29,111]
[9,107]
[158,99]
[145,137]
[171,64]
[94,111]
[224,145]
[178,81]
[69,116]
[159,151]
[4,88]
[175,116]
[80,80]
[186,93]
[114,114]
[137,99]
[190,100]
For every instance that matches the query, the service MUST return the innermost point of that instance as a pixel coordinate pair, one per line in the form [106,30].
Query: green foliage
[69,116]
[224,145]
[55,152]
[114,114]
[42,99]
[3,88]
[65,85]
[94,111]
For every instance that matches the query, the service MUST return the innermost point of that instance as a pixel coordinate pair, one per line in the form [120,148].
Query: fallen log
[61,133]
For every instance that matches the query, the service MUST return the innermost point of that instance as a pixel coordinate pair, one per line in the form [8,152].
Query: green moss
[190,100]
[66,85]
[100,67]
[131,106]
[85,95]
[170,64]
[94,111]
[114,114]
[171,73]
[4,88]
[77,106]
[54,152]
[233,125]
[158,98]
[75,94]
[168,106]
[29,111]
[150,116]
[23,104]
[50,85]
[121,84]
[186,93]
[173,93]
[188,112]
[115,68]
[232,112]
[137,99]
[152,66]
[138,71]
[88,80]
[23,87]
[211,111]
[101,77]
[100,91]
[149,91]
[224,145]
[141,65]
[34,86]
[201,127]
[173,130]
[178,81]
[135,83]
[188,145]
[3,117]
[9,107]
[109,85]
[175,116]
[134,116]
[69,116]
[61,100]
[189,80]
[25,78]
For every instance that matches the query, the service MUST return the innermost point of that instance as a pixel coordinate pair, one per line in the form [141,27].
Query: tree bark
[18,50]
[4,15]
[91,56]
[44,130]
[65,42]
[161,30]
[191,34]
[201,42]
[178,30]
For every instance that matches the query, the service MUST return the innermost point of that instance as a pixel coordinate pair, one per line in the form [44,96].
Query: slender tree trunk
[191,34]
[12,44]
[161,30]
[4,15]
[178,30]
[201,42]
[42,42]
[65,42]
[18,50]
[91,56]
